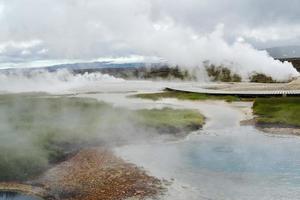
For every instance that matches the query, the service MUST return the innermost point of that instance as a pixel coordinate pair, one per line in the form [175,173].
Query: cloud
[1,9]
[15,51]
[182,32]
[99,28]
[273,33]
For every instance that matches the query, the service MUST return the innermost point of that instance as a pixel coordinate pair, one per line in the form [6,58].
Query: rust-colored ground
[95,174]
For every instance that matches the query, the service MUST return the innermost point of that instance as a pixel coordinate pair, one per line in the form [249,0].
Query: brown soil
[248,122]
[281,130]
[95,174]
[272,128]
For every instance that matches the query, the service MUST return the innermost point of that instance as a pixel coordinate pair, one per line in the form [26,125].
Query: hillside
[284,51]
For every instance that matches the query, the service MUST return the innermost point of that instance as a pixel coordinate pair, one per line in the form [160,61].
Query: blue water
[16,196]
[275,156]
[225,163]
[250,165]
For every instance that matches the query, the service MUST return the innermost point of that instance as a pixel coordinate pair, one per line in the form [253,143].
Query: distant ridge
[95,65]
[83,66]
[285,51]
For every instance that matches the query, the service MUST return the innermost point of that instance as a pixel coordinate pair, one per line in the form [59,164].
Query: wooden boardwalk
[246,94]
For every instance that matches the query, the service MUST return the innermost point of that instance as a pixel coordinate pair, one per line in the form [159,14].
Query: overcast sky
[35,30]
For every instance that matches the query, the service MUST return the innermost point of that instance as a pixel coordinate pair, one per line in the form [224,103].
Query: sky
[47,31]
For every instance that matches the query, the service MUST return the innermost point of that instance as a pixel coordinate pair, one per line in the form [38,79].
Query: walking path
[245,93]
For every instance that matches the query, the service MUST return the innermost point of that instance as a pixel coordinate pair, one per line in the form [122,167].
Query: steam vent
[149,100]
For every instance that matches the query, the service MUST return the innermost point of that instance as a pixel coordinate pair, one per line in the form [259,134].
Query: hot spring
[16,196]
[224,160]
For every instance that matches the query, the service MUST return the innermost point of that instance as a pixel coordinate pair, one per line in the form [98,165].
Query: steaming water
[16,196]
[61,81]
[224,160]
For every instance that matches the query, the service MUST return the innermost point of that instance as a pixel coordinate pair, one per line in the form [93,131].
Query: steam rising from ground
[37,129]
[142,27]
[45,81]
[189,50]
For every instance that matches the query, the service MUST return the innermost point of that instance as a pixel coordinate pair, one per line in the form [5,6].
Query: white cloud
[182,32]
[18,50]
[1,9]
[21,44]
[273,33]
[52,62]
[89,29]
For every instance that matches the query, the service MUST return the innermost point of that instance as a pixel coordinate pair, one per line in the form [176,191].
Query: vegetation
[154,71]
[19,163]
[166,72]
[36,130]
[261,78]
[33,129]
[222,74]
[185,96]
[283,111]
[167,119]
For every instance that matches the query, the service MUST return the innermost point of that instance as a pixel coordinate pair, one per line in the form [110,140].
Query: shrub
[261,78]
[222,74]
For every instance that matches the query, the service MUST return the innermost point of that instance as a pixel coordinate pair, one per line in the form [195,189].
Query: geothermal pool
[224,160]
[16,196]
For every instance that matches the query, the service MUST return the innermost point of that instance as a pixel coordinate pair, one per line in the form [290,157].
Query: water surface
[224,160]
[16,196]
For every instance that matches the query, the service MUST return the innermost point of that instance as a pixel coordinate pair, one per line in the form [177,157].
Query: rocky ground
[92,174]
[281,131]
[96,173]
[272,129]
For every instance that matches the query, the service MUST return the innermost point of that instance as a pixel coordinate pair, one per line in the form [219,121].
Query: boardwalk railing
[246,94]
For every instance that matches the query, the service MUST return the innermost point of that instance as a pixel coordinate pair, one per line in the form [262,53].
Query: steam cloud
[190,50]
[52,82]
[183,34]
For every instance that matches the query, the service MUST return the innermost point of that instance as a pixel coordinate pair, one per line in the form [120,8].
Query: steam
[187,37]
[37,129]
[52,82]
[189,50]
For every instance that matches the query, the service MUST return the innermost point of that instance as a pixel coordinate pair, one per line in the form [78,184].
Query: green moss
[20,163]
[185,96]
[172,119]
[281,110]
[37,130]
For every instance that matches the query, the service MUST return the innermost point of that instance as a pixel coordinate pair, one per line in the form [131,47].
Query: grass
[280,110]
[185,96]
[171,119]
[36,130]
[32,129]
[283,111]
